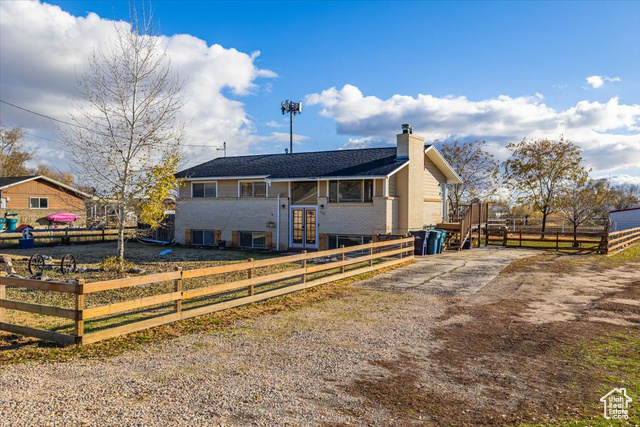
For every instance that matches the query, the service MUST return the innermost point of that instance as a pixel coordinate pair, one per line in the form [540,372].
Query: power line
[39,114]
[82,127]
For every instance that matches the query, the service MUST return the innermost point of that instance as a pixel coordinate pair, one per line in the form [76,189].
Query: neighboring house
[313,200]
[624,219]
[32,198]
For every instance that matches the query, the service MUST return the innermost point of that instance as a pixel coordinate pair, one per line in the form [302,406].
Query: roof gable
[6,182]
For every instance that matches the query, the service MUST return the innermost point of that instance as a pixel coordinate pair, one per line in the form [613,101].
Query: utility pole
[292,108]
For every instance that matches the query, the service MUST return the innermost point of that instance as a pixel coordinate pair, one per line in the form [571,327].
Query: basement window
[253,239]
[203,238]
[39,202]
[335,241]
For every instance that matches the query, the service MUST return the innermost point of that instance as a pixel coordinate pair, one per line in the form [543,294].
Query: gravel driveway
[292,368]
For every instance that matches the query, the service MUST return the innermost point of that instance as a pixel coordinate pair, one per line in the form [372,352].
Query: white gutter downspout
[278,223]
[445,195]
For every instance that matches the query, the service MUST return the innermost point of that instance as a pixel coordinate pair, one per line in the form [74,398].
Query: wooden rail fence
[183,294]
[64,236]
[619,240]
[602,243]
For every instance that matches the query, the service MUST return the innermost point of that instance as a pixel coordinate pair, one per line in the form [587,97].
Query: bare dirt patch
[505,355]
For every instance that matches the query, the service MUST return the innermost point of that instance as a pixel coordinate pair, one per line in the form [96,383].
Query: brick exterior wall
[229,214]
[355,218]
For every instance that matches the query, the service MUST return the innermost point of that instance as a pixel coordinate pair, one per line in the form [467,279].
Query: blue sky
[498,71]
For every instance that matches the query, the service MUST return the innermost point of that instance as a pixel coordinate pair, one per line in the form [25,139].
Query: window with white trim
[203,238]
[351,191]
[204,189]
[253,189]
[253,239]
[38,202]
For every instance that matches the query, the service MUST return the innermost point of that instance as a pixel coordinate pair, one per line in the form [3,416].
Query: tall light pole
[292,108]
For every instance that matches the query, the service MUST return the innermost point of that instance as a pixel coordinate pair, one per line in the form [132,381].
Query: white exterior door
[304,227]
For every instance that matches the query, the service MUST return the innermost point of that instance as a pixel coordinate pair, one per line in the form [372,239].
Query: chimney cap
[406,128]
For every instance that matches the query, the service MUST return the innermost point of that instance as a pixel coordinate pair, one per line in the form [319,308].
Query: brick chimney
[409,145]
[410,180]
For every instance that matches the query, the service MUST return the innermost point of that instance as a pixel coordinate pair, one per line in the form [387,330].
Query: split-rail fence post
[177,287]
[2,295]
[304,266]
[252,272]
[80,305]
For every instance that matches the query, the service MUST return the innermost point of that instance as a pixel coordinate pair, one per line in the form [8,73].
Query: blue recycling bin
[2,222]
[432,242]
[12,223]
[25,243]
[442,237]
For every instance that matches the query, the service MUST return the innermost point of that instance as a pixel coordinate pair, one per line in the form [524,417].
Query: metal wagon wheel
[36,264]
[68,264]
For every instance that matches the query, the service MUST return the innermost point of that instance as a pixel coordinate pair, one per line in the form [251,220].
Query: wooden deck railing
[143,302]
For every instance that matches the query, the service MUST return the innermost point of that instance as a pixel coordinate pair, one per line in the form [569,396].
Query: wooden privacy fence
[90,312]
[64,236]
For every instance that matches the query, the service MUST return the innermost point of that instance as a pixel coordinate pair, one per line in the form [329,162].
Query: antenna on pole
[292,108]
[224,147]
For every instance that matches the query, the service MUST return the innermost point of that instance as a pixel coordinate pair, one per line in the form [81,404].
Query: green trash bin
[2,222]
[432,242]
[12,223]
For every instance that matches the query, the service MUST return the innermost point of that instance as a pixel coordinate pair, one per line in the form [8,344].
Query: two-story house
[315,200]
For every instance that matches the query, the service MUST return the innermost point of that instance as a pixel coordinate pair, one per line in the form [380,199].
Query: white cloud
[366,142]
[274,124]
[598,81]
[44,49]
[609,133]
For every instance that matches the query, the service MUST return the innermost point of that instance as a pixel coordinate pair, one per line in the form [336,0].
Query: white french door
[303,227]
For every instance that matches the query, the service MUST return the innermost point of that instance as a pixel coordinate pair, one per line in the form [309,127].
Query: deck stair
[464,222]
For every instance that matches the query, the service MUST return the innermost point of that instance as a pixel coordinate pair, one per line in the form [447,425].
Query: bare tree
[127,119]
[581,199]
[538,169]
[12,154]
[477,169]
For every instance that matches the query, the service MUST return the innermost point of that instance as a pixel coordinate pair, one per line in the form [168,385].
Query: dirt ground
[479,337]
[142,256]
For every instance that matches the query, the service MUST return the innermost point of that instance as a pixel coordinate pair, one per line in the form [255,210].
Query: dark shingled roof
[4,181]
[320,164]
